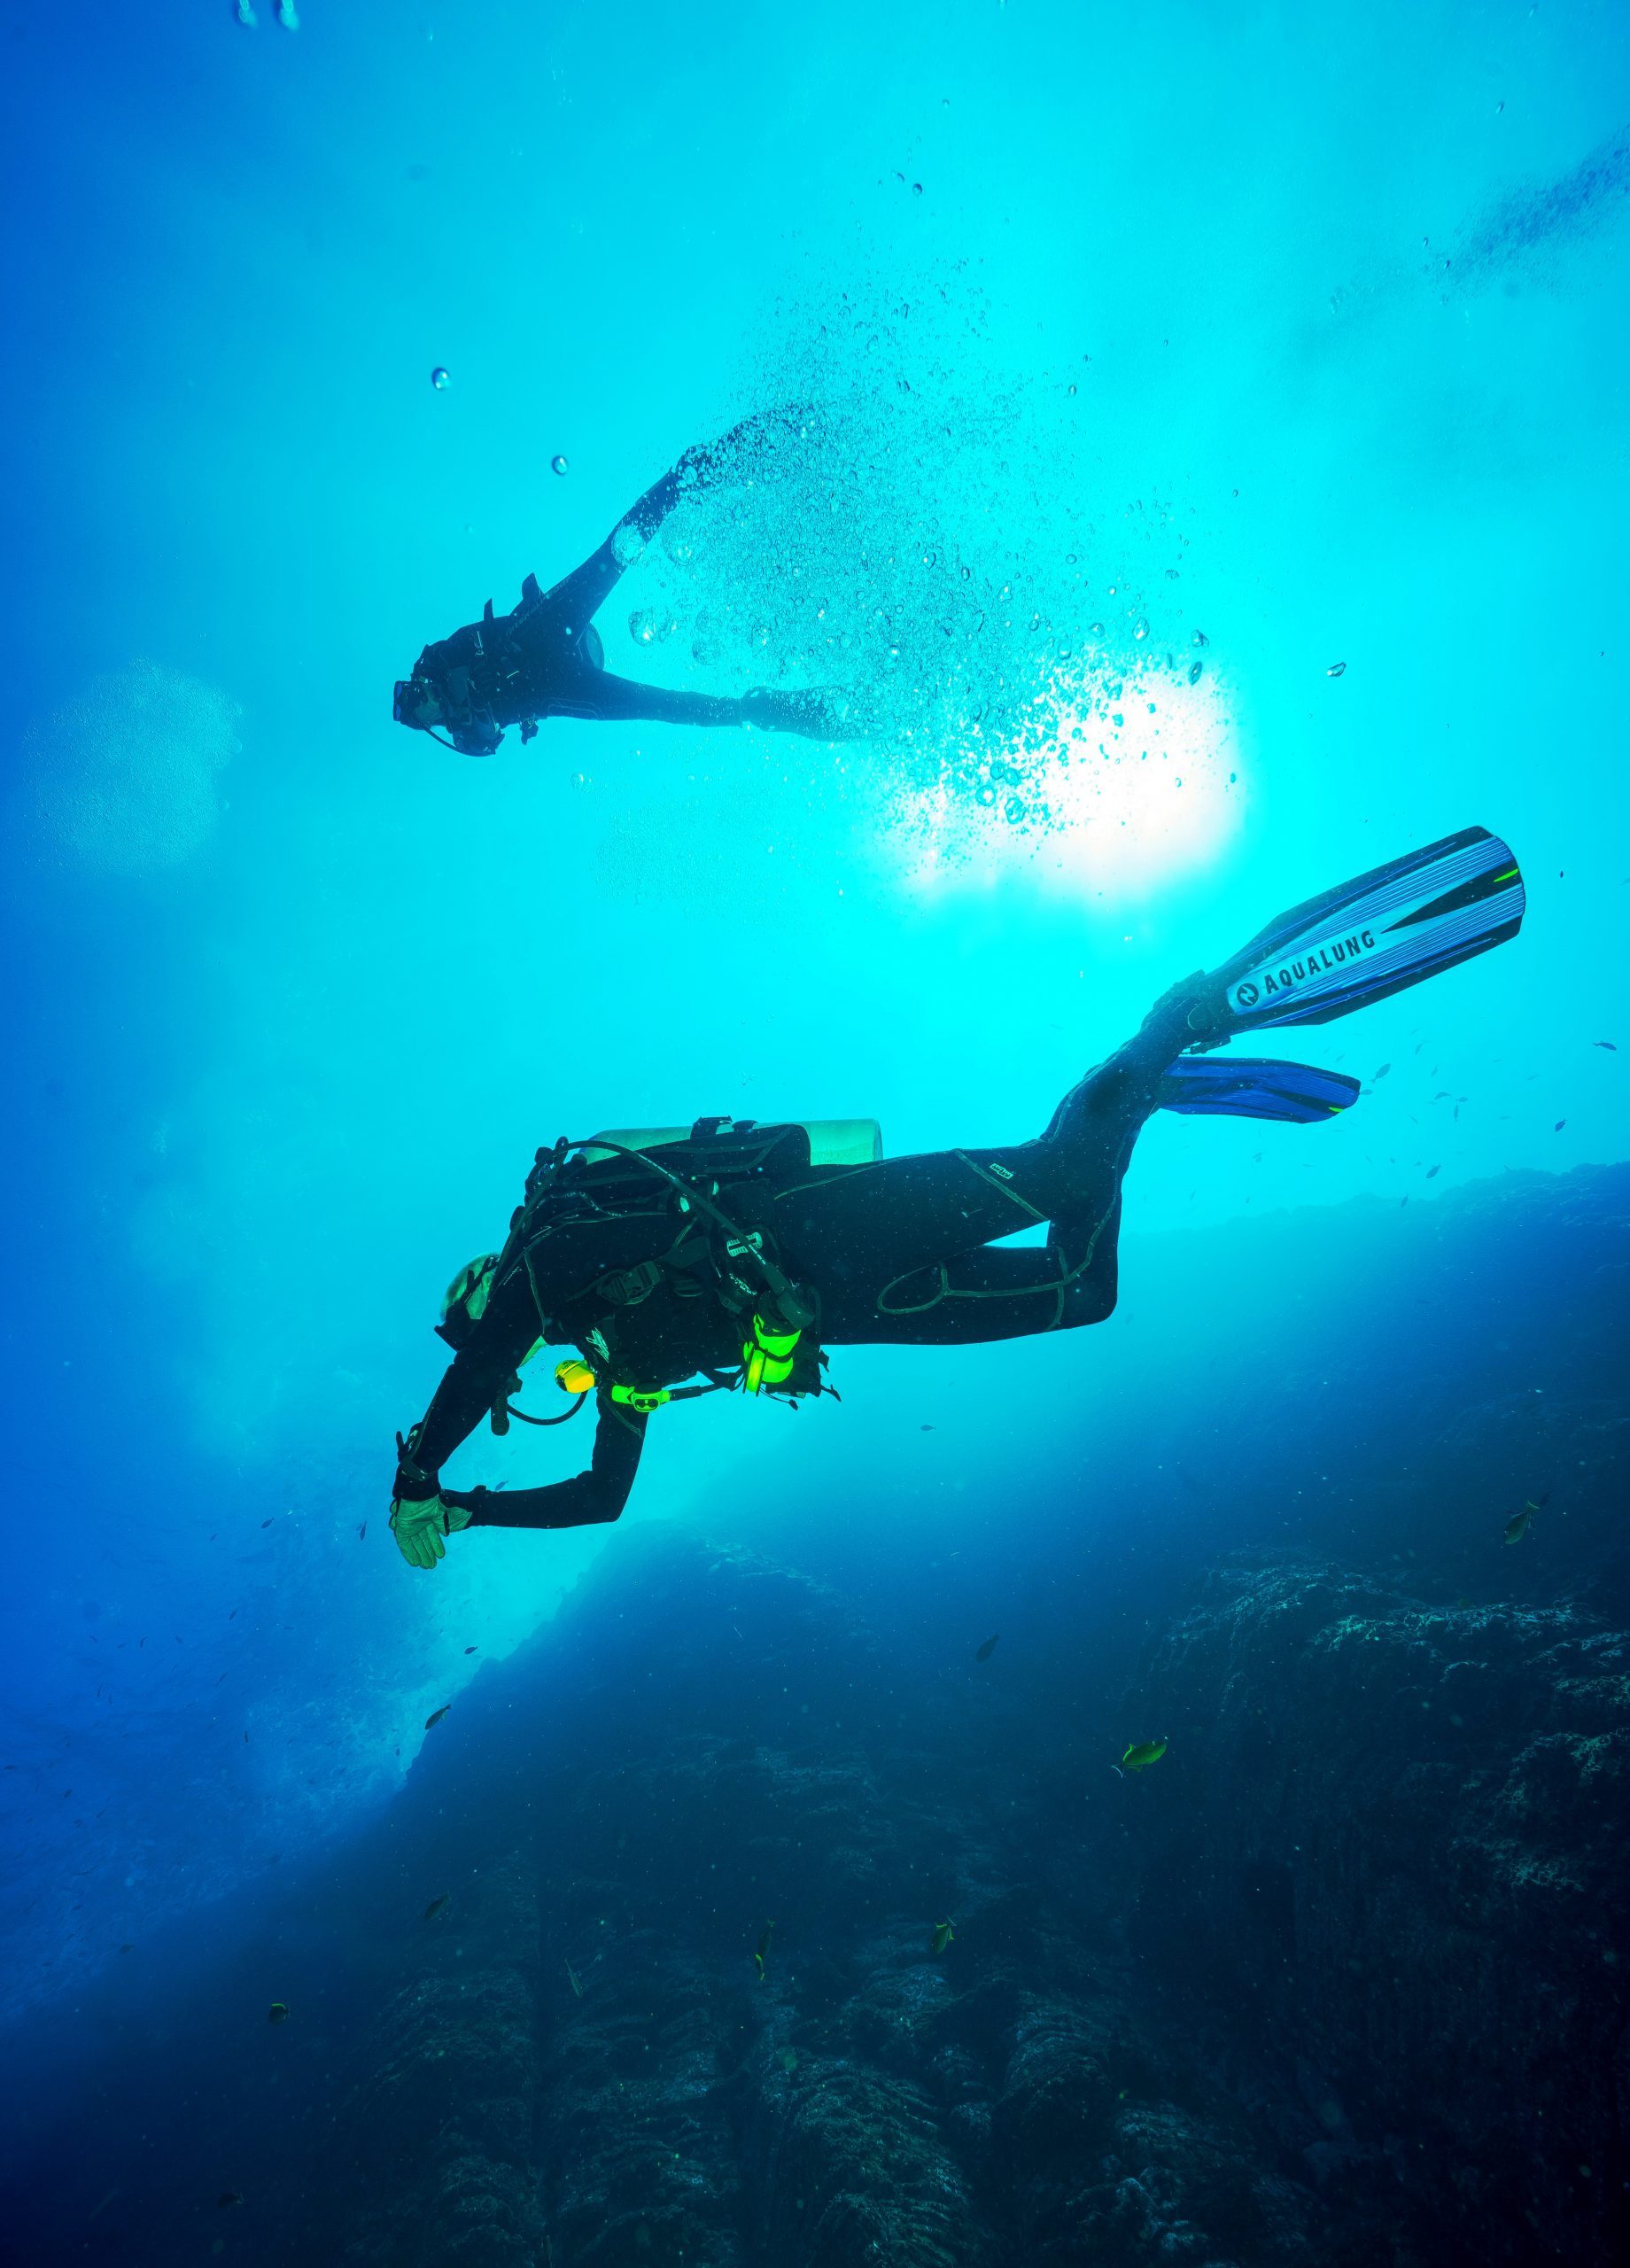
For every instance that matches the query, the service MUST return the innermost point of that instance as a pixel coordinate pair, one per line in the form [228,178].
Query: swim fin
[1223,1086]
[1391,928]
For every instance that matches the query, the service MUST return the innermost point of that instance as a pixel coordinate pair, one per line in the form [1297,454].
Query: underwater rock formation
[1391,1865]
[603,2077]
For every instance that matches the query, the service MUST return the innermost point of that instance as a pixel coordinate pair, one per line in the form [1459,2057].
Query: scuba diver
[544,658]
[674,1264]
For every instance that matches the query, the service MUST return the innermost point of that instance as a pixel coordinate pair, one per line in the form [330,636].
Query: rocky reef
[585,2065]
[1389,1872]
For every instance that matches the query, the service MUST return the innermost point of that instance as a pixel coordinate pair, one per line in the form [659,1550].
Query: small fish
[1516,1526]
[472,1650]
[1561,1122]
[363,1532]
[438,1906]
[227,2197]
[1612,1046]
[266,1523]
[278,2013]
[1143,1752]
[763,1947]
[1433,1172]
[1336,669]
[925,1429]
[126,1948]
[943,1935]
[576,1986]
[1384,1068]
[436,1715]
[985,1651]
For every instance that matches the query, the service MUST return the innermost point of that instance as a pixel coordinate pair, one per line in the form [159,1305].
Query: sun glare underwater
[989,639]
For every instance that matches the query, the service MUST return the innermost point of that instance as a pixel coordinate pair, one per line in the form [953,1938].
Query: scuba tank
[695,1173]
[832,1141]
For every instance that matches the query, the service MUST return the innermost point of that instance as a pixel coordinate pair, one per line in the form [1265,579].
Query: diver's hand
[817,712]
[720,459]
[419,1524]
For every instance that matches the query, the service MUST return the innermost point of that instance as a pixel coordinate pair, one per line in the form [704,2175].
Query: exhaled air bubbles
[439,380]
[1140,629]
[1096,628]
[1336,669]
[559,464]
[1073,389]
[1200,638]
[1194,673]
[626,543]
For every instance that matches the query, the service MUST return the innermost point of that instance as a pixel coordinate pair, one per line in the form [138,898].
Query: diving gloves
[419,1526]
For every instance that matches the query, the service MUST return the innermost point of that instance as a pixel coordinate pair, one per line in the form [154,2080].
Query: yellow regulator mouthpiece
[573,1376]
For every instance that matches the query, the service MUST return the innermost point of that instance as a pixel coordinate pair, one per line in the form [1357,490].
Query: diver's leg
[858,1231]
[991,1294]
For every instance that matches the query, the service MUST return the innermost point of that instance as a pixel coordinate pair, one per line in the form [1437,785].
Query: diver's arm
[476,1378]
[596,695]
[574,601]
[585,1501]
[814,714]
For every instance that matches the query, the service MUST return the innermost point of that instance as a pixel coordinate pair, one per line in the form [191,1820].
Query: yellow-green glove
[419,1524]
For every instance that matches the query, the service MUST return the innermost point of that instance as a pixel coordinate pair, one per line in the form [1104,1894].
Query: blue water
[1301,331]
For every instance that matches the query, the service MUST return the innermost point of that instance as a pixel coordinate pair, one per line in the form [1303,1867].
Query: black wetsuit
[896,1252]
[544,658]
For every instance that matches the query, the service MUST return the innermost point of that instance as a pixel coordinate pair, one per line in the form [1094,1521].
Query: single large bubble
[122,779]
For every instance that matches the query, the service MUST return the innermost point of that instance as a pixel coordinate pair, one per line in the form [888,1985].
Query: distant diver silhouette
[544,658]
[729,1254]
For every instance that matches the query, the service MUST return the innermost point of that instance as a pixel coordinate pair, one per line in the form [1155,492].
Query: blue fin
[1220,1086]
[1391,928]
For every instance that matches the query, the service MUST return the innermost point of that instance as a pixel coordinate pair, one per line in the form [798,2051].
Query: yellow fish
[763,1947]
[1516,1526]
[278,2011]
[1143,1752]
[943,1935]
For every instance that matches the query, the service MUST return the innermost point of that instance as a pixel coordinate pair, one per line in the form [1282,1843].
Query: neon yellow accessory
[574,1376]
[767,1356]
[643,1398]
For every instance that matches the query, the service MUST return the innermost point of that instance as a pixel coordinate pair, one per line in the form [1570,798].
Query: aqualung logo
[1269,983]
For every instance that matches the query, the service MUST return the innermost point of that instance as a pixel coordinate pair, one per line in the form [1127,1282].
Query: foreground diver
[676,1264]
[544,658]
